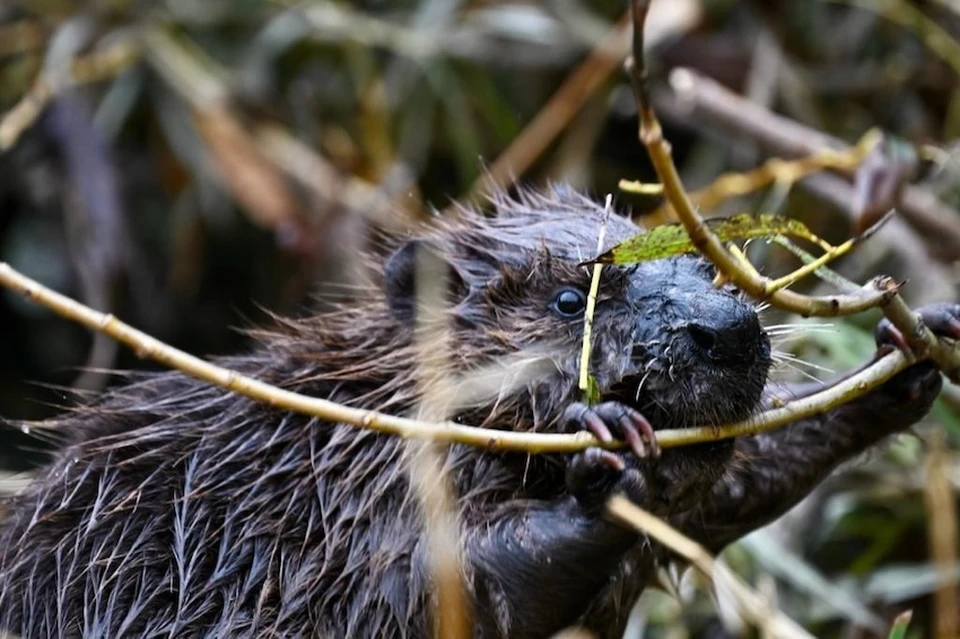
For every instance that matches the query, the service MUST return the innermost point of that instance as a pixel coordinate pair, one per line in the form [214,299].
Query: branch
[555,115]
[702,99]
[885,291]
[788,412]
[923,343]
[586,384]
[780,172]
[198,80]
[146,346]
[568,100]
[94,67]
[942,536]
[748,280]
[427,460]
[210,91]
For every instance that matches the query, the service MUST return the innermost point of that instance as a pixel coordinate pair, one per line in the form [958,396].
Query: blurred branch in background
[667,20]
[942,508]
[94,67]
[748,606]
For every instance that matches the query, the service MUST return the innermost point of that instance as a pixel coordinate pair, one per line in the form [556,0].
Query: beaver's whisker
[799,326]
[643,380]
[790,335]
[781,343]
[787,357]
[788,365]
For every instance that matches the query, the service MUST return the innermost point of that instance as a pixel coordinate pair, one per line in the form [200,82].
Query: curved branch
[146,346]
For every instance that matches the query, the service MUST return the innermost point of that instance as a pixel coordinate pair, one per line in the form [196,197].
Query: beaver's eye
[569,302]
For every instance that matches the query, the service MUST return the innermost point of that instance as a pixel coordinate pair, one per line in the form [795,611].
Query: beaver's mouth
[711,401]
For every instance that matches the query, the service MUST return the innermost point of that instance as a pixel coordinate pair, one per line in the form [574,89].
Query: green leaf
[591,394]
[672,239]
[899,628]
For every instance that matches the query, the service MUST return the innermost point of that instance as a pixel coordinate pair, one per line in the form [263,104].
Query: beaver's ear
[418,259]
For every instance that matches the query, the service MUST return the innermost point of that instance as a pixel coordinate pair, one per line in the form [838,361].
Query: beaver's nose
[728,335]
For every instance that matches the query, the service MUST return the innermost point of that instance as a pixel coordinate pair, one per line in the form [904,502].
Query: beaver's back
[194,509]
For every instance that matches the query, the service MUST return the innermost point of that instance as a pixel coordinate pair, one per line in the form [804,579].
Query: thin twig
[563,105]
[942,535]
[705,101]
[200,82]
[923,343]
[793,410]
[24,113]
[776,170]
[451,610]
[555,114]
[701,103]
[584,383]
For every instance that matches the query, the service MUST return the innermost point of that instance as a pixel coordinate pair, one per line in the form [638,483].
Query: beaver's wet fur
[177,508]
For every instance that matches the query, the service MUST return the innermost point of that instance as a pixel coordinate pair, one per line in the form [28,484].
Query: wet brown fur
[177,508]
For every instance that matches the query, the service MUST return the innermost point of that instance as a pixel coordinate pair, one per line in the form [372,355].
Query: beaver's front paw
[595,474]
[613,420]
[913,391]
[903,400]
[942,319]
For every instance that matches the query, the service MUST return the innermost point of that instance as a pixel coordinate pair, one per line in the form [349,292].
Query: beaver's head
[665,339]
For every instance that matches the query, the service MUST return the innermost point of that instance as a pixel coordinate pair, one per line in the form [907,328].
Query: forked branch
[757,286]
[748,279]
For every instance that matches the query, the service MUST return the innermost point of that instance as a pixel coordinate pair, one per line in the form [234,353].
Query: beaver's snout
[697,349]
[728,333]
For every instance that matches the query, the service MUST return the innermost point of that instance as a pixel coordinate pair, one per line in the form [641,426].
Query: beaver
[174,507]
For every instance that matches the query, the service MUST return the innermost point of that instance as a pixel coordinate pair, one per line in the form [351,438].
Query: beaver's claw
[942,319]
[595,474]
[913,391]
[613,420]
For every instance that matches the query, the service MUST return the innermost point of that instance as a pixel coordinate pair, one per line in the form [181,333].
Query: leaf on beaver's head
[672,239]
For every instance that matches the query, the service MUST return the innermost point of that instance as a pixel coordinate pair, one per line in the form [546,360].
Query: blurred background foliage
[189,164]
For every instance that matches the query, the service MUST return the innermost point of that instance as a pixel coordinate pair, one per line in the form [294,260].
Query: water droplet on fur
[24,429]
